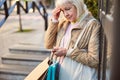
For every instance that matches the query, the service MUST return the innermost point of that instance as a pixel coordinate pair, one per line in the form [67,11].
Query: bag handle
[82,33]
[50,59]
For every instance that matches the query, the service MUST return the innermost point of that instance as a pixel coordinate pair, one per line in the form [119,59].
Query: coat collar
[67,23]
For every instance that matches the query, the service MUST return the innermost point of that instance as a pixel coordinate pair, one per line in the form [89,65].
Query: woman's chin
[71,20]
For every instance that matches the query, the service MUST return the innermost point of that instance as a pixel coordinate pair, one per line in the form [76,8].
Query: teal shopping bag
[53,71]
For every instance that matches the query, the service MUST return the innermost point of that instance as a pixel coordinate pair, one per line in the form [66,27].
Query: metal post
[18,7]
[26,4]
[115,74]
[107,6]
[100,42]
[33,6]
[19,12]
[46,21]
[45,16]
[99,7]
[104,55]
[100,53]
[102,5]
[6,9]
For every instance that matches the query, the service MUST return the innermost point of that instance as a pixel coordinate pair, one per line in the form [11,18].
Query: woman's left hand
[58,51]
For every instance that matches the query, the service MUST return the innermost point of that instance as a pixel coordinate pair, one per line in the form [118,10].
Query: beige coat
[87,51]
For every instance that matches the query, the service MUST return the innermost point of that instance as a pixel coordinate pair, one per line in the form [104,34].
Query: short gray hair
[79,4]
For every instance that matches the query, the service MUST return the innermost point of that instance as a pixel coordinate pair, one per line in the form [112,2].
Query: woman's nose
[66,13]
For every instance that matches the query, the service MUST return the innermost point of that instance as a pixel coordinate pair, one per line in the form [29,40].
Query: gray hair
[79,4]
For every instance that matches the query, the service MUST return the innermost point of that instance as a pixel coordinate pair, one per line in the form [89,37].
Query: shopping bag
[43,76]
[39,72]
[53,71]
[44,69]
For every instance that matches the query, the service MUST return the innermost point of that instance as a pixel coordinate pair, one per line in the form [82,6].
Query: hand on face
[56,13]
[59,51]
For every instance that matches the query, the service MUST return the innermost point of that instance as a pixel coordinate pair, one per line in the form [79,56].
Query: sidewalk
[9,37]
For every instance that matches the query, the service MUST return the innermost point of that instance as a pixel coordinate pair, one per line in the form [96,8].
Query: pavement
[10,37]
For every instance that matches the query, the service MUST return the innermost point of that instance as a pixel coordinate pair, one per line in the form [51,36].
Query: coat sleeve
[89,56]
[50,35]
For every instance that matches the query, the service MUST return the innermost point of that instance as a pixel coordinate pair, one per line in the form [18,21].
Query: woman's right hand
[56,13]
[58,51]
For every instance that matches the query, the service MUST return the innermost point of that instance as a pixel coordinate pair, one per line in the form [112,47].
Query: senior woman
[77,26]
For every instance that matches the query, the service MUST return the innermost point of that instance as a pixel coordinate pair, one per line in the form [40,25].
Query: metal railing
[106,21]
[26,9]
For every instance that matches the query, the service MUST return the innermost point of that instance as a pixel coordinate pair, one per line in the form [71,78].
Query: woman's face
[69,11]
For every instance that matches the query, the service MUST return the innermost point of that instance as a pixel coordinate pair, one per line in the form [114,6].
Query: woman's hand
[58,51]
[56,13]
